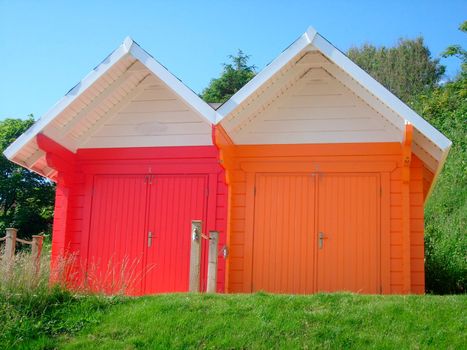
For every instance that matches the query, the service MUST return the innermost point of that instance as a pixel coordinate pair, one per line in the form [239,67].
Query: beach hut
[328,173]
[131,150]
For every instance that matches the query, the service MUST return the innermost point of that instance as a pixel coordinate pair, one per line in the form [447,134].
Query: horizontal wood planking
[310,153]
[70,220]
[416,228]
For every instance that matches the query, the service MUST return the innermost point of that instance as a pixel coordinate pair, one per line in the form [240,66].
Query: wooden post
[405,191]
[10,244]
[212,262]
[195,256]
[36,250]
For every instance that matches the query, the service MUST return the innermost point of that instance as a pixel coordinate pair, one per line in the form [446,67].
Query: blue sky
[46,47]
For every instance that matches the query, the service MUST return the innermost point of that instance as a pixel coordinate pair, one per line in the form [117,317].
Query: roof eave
[70,96]
[298,46]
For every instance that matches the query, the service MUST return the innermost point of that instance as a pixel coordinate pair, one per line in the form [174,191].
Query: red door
[116,247]
[140,232]
[174,201]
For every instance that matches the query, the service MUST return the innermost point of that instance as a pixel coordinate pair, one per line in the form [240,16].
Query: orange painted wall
[239,160]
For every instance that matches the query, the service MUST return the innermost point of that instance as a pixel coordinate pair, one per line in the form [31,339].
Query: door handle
[149,238]
[321,237]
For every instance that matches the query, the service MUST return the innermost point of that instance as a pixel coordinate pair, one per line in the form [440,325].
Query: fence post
[10,244]
[212,262]
[195,255]
[36,250]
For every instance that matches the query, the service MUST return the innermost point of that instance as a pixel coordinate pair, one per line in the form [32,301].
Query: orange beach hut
[328,173]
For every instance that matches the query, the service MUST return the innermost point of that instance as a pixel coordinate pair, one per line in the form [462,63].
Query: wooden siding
[155,116]
[72,220]
[317,109]
[359,157]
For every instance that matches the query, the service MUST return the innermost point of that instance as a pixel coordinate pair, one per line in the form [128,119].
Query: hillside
[258,321]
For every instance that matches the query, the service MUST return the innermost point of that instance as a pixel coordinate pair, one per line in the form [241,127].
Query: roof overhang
[127,68]
[430,145]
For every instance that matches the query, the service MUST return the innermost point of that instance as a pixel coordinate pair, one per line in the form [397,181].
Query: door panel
[348,216]
[115,253]
[283,242]
[174,201]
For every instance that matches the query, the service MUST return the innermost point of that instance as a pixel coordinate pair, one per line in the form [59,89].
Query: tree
[233,77]
[446,211]
[406,69]
[458,51]
[26,199]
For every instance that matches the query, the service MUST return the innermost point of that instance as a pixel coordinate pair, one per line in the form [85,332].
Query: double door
[140,231]
[316,232]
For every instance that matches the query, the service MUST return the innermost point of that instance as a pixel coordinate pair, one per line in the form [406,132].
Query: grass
[263,321]
[36,315]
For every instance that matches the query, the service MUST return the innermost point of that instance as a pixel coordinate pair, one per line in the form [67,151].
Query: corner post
[36,250]
[406,161]
[10,244]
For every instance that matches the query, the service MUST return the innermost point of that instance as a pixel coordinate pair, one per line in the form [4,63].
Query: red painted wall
[73,208]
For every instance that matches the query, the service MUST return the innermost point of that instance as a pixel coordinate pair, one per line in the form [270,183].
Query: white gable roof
[129,84]
[245,114]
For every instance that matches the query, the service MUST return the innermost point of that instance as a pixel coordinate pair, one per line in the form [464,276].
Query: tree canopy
[233,77]
[26,199]
[406,69]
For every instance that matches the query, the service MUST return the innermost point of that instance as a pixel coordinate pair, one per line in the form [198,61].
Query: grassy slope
[271,321]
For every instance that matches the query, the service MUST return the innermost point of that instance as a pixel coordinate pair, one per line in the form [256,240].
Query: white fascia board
[441,162]
[70,96]
[190,97]
[262,77]
[383,94]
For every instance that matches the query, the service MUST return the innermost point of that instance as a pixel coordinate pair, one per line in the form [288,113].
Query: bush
[446,209]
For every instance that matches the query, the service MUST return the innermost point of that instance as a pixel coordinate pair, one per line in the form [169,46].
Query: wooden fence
[10,248]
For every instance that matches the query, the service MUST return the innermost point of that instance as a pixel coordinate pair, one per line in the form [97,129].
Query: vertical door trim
[385,233]
[87,213]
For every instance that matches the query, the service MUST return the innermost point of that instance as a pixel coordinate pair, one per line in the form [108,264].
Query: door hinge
[254,190]
[381,191]
[207,191]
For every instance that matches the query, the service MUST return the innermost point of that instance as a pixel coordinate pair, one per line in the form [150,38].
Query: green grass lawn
[258,321]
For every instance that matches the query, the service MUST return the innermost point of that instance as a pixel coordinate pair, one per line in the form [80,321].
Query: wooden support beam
[406,161]
[34,158]
[212,262]
[48,145]
[195,255]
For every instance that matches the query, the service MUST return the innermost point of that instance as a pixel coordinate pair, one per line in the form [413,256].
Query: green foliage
[233,77]
[457,50]
[446,211]
[263,321]
[26,199]
[406,69]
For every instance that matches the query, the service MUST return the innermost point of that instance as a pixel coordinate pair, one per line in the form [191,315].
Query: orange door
[283,242]
[348,222]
